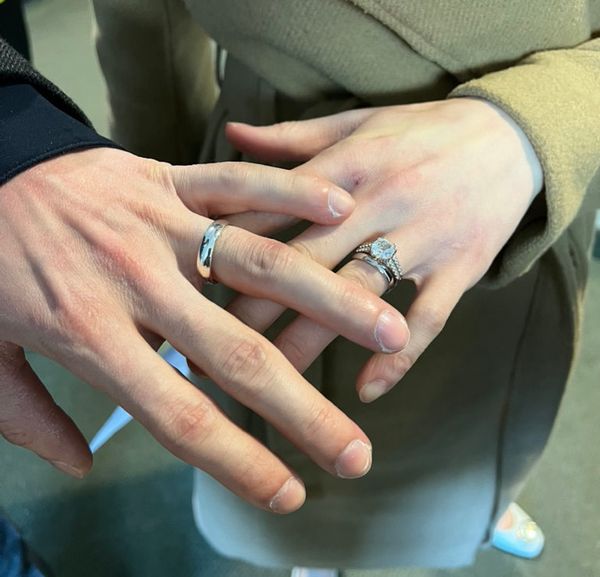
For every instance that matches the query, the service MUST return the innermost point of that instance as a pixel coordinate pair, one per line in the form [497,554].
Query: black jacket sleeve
[37,121]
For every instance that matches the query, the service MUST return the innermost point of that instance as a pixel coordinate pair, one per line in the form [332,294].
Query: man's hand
[97,268]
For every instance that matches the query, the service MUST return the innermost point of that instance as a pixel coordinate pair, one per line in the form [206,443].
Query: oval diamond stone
[383,249]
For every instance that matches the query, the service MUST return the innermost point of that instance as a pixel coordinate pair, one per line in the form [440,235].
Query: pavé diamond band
[381,254]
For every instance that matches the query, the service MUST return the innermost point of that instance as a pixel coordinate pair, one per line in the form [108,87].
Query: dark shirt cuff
[32,129]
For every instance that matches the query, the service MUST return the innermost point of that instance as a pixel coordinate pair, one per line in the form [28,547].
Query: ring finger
[303,340]
[324,245]
[427,316]
[269,269]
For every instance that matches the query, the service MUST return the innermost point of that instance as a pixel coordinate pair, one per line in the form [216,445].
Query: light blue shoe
[523,538]
[314,572]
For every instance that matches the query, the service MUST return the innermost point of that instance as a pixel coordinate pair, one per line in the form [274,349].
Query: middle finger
[249,368]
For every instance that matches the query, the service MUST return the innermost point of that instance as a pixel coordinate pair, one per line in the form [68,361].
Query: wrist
[527,159]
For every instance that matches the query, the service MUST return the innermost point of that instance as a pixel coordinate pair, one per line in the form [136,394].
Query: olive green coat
[454,442]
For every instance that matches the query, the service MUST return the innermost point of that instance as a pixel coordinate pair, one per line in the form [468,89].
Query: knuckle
[293,349]
[78,324]
[119,255]
[268,258]
[402,364]
[378,145]
[410,178]
[233,174]
[433,320]
[246,364]
[161,173]
[296,181]
[191,424]
[307,181]
[322,422]
[16,436]
[304,249]
[155,217]
[287,129]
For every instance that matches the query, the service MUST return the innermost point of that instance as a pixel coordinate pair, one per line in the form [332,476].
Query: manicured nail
[354,461]
[390,331]
[290,497]
[68,469]
[340,203]
[373,390]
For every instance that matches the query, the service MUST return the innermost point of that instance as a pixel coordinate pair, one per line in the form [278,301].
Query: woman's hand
[98,267]
[447,182]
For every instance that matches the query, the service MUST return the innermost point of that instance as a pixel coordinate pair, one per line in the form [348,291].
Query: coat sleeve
[14,69]
[554,96]
[37,121]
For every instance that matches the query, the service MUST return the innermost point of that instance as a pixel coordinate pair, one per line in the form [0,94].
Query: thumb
[296,140]
[30,418]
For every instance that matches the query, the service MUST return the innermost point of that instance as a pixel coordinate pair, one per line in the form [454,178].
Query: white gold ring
[207,248]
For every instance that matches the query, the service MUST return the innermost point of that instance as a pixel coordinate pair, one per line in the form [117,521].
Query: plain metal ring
[207,248]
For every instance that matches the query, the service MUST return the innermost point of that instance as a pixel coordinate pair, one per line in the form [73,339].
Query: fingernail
[390,331]
[68,469]
[339,202]
[354,461]
[290,497]
[372,390]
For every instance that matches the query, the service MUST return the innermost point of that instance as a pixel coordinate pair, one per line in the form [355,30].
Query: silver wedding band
[381,255]
[207,248]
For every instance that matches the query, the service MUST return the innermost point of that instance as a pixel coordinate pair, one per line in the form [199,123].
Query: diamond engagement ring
[207,249]
[381,254]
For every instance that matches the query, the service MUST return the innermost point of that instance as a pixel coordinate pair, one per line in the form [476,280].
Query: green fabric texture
[555,97]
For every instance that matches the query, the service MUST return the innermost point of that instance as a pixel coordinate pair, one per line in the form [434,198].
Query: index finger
[237,187]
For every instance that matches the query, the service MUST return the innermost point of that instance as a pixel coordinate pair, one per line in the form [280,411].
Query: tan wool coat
[454,442]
